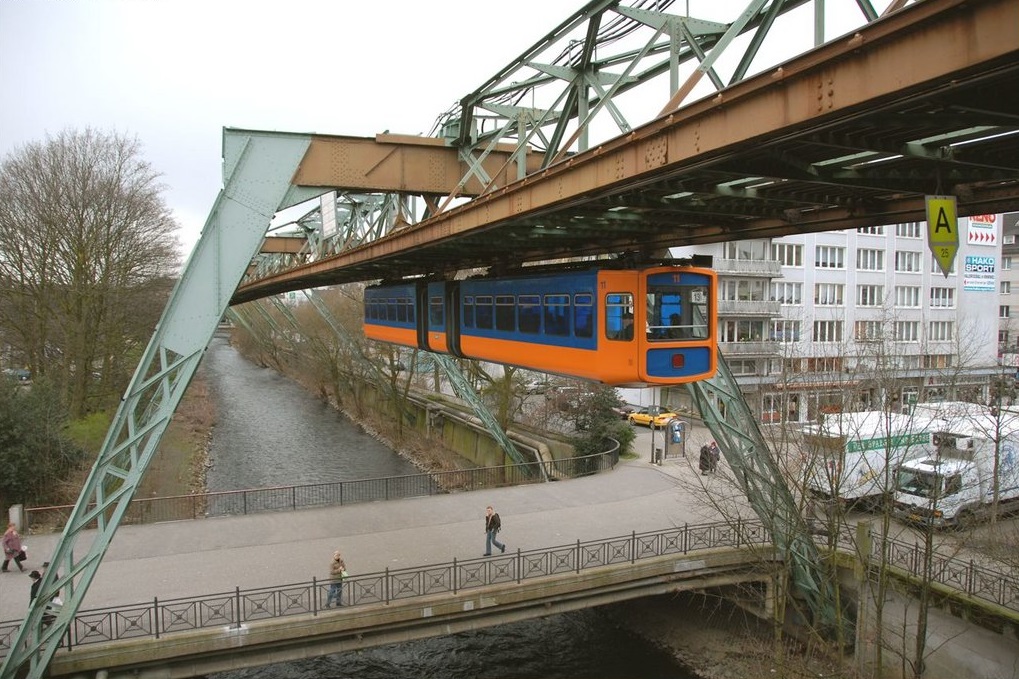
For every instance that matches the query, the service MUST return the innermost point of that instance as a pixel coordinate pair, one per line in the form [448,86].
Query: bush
[35,454]
[598,422]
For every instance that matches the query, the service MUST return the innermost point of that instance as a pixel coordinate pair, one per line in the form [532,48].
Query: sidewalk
[189,558]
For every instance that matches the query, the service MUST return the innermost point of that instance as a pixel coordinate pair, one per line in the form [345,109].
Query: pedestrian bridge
[245,628]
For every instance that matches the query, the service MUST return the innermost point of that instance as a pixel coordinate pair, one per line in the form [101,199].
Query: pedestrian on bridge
[493,524]
[337,572]
[13,549]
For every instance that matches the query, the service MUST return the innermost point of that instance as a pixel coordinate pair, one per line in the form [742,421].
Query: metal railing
[282,498]
[158,618]
[980,581]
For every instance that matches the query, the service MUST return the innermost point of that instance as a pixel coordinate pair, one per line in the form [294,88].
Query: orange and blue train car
[622,327]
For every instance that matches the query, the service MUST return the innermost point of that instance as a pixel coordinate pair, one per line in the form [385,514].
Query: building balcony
[729,307]
[749,349]
[744,267]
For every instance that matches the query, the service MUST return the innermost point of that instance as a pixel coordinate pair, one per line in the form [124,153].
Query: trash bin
[657,457]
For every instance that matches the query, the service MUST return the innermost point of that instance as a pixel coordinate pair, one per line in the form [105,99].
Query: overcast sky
[174,73]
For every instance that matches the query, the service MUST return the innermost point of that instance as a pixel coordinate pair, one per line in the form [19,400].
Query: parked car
[651,416]
[624,411]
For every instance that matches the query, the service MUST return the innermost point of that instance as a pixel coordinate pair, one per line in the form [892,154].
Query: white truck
[852,457]
[955,484]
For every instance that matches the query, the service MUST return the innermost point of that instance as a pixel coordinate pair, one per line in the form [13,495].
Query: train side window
[619,316]
[505,313]
[529,313]
[390,309]
[435,315]
[557,315]
[483,311]
[583,315]
[402,305]
[468,319]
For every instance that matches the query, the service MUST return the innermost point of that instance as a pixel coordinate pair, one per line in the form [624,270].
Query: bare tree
[88,246]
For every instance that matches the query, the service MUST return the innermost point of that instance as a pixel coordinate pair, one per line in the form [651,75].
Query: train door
[452,298]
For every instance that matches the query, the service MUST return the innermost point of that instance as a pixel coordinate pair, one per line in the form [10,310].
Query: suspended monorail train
[618,326]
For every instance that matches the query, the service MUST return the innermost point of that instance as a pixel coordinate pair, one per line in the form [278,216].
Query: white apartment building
[850,320]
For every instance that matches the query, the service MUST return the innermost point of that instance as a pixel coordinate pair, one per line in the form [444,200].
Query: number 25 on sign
[942,230]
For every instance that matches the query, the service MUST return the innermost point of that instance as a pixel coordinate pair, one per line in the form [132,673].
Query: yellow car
[653,416]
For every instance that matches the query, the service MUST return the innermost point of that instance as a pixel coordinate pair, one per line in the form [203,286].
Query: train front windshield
[676,310]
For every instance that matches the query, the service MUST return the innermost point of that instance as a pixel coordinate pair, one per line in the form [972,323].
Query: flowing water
[271,432]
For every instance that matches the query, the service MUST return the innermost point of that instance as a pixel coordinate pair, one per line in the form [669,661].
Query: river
[271,432]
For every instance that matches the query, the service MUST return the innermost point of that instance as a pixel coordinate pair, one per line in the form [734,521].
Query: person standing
[13,549]
[716,454]
[493,524]
[337,571]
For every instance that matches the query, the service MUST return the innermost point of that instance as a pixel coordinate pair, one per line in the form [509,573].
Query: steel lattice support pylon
[726,413]
[256,183]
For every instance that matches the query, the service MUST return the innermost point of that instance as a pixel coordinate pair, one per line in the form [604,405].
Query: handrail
[158,618]
[240,502]
[963,575]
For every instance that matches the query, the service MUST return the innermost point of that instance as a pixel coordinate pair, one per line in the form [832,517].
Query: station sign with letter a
[942,230]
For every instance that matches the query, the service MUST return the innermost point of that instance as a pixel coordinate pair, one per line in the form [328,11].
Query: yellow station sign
[943,230]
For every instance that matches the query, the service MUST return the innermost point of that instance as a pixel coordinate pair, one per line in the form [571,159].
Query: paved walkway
[190,558]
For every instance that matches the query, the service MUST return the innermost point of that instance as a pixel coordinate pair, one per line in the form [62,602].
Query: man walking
[492,526]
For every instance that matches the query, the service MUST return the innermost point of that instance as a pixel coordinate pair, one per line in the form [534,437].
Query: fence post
[155,615]
[686,537]
[739,532]
[385,587]
[519,566]
[293,497]
[633,547]
[237,602]
[244,502]
[314,595]
[455,579]
[578,555]
[969,578]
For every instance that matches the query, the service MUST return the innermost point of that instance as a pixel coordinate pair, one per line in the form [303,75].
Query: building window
[870,295]
[871,231]
[1009,239]
[829,257]
[743,290]
[907,331]
[868,259]
[1006,287]
[942,298]
[936,268]
[908,230]
[907,261]
[827,331]
[1003,311]
[787,254]
[785,331]
[937,361]
[742,366]
[868,331]
[827,364]
[828,294]
[907,296]
[742,331]
[940,331]
[1006,263]
[787,293]
[747,250]
[1003,337]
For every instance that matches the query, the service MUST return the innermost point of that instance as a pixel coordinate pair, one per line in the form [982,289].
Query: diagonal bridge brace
[729,418]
